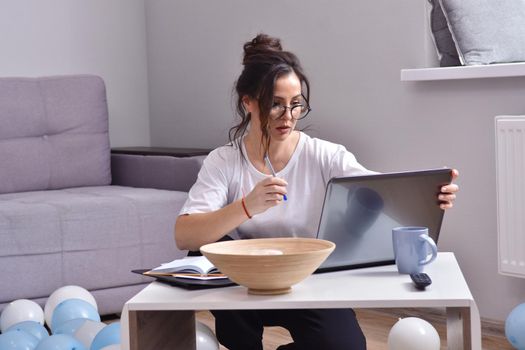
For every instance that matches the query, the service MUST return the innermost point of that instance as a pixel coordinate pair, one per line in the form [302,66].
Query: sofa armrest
[155,171]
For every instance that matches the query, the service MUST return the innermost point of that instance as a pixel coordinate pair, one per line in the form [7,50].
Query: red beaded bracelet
[244,207]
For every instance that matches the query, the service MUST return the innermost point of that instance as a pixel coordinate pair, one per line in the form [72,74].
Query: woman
[235,190]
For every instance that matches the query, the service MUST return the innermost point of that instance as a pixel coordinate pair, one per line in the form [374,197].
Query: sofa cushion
[87,236]
[54,133]
[488,31]
[443,41]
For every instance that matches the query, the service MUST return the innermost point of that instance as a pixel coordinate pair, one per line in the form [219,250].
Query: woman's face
[287,92]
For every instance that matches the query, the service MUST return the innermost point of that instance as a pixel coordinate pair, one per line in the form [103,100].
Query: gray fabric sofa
[71,213]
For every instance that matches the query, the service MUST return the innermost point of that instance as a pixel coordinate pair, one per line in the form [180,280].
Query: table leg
[463,328]
[124,328]
[475,326]
[458,337]
[161,330]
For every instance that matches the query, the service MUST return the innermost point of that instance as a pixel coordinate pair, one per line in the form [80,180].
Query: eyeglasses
[298,111]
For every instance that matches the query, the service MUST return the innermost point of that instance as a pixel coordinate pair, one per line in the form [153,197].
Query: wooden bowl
[268,265]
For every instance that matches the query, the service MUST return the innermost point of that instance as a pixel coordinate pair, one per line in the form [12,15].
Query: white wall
[106,38]
[353,52]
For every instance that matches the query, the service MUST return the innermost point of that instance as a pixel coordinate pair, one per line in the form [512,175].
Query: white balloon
[413,333]
[206,339]
[87,332]
[64,293]
[19,311]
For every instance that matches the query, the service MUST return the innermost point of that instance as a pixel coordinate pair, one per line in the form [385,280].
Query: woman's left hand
[448,192]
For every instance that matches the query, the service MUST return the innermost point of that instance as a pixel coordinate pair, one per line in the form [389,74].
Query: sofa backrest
[53,133]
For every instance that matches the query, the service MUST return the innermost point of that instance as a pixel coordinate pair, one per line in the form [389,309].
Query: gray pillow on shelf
[445,46]
[487,31]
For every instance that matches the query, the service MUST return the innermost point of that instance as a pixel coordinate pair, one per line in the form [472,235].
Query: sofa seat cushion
[87,236]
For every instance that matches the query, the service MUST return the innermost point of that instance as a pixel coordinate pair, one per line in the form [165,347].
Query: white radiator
[510,174]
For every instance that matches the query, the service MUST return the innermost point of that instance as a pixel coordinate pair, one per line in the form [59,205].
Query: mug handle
[433,246]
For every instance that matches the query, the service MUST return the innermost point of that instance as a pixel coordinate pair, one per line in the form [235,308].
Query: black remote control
[421,280]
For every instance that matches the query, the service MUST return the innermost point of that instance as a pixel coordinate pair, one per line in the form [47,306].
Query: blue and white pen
[267,159]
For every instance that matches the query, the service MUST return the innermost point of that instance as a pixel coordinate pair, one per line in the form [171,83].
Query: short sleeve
[344,163]
[210,191]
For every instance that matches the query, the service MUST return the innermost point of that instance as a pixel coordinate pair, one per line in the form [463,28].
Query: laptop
[359,213]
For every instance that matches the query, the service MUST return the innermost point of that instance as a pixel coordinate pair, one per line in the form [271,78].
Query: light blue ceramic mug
[411,248]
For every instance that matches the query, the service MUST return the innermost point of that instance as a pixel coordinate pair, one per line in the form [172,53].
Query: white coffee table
[162,316]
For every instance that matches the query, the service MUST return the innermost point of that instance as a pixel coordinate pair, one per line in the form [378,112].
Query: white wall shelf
[464,72]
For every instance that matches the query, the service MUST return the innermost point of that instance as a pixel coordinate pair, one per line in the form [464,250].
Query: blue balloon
[515,326]
[32,327]
[108,335]
[69,327]
[17,340]
[60,342]
[71,309]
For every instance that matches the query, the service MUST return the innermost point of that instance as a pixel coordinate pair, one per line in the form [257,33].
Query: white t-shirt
[226,176]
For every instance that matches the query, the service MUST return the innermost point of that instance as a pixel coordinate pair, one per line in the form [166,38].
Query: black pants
[323,329]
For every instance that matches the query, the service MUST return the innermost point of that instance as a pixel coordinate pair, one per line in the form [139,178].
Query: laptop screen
[359,213]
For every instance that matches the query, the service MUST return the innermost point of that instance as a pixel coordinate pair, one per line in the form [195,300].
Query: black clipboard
[189,283]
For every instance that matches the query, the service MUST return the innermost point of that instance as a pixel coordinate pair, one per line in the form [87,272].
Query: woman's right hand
[266,194]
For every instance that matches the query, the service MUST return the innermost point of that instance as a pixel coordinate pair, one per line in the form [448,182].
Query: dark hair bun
[262,44]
